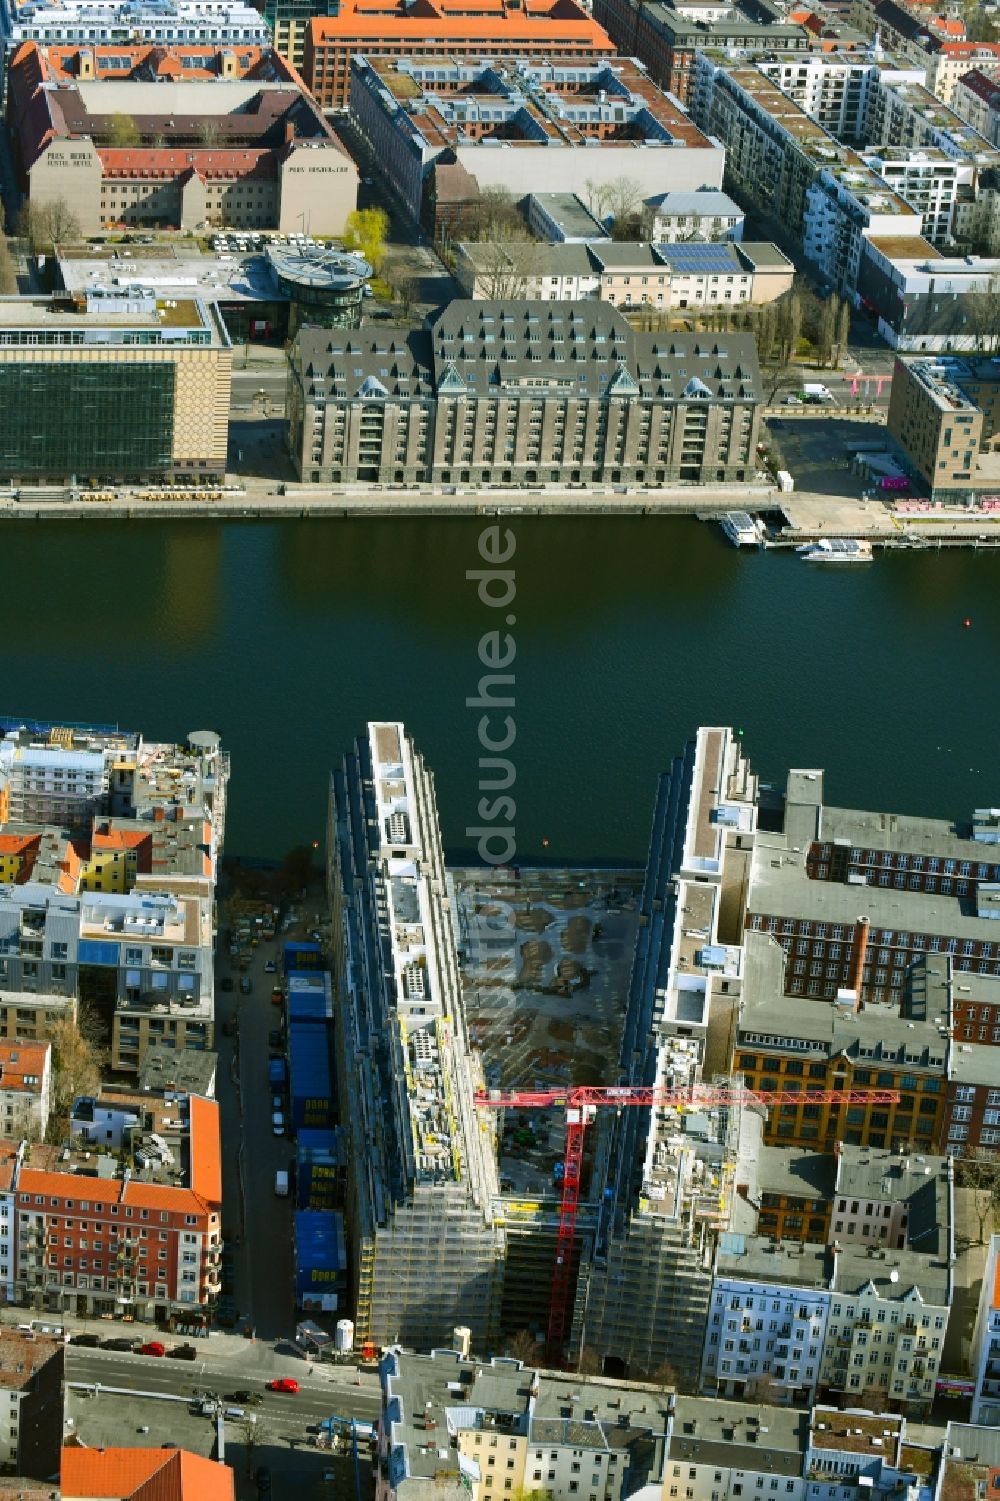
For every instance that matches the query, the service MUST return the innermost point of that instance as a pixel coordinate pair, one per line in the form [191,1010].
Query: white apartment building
[886,1326]
[837,89]
[723,1451]
[843,203]
[704,215]
[985,1360]
[767,1320]
[929,180]
[25,1089]
[222,23]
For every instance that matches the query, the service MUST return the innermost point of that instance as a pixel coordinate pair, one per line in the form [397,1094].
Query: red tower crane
[581,1103]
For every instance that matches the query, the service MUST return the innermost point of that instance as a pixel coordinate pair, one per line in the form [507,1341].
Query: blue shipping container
[317,1169]
[310,1081]
[320,1255]
[310,995]
[302,956]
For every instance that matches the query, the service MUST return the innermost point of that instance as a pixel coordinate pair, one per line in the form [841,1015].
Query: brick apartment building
[452,30]
[143,1240]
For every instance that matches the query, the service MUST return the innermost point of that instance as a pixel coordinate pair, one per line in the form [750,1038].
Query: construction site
[548,1141]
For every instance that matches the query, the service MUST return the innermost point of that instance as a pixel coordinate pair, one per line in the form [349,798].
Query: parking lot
[818,451]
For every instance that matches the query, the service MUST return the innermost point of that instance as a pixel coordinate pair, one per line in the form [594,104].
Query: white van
[281,1184]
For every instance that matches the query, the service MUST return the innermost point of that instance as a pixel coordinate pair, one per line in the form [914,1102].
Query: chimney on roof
[227,64]
[159,813]
[85,63]
[859,951]
[289,132]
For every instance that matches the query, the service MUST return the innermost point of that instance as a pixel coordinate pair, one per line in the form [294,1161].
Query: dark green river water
[286,637]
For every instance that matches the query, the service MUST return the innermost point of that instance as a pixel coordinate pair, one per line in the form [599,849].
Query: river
[286,637]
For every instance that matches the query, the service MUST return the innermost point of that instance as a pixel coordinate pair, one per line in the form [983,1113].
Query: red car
[283,1384]
[153,1348]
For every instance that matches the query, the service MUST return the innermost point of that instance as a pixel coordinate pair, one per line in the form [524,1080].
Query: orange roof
[20,1058]
[143,1475]
[206,1159]
[17,844]
[947,27]
[203,1196]
[382,20]
[968,49]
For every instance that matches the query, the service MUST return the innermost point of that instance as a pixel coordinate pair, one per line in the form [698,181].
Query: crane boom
[581,1103]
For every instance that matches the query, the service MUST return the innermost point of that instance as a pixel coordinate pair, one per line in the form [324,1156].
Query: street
[118,1399]
[257,1225]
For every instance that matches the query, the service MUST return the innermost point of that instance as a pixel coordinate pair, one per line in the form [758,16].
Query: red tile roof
[537,20]
[20,1058]
[143,1475]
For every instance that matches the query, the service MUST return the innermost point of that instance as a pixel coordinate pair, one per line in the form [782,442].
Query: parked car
[229,1026]
[153,1347]
[91,1341]
[274,1038]
[270,968]
[227,982]
[183,1352]
[278,1122]
[283,1384]
[262,1478]
[120,1344]
[246,985]
[277,996]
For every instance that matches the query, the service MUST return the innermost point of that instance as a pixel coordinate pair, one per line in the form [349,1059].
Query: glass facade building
[92,421]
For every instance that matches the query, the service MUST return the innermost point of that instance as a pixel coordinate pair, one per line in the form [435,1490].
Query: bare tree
[8,270]
[619,200]
[504,270]
[43,224]
[494,216]
[984,314]
[589,1363]
[525,1347]
[404,290]
[843,334]
[980,1173]
[208,131]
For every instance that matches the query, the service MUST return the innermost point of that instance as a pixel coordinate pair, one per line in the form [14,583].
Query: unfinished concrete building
[426,1250]
[670,1172]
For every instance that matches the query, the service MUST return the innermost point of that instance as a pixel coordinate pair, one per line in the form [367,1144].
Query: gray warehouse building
[522,392]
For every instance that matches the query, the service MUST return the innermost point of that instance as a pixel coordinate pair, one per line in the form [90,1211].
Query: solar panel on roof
[694,257]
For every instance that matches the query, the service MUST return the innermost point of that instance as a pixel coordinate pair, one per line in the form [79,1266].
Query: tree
[523,1346]
[208,131]
[980,1173]
[665,1375]
[504,271]
[366,232]
[404,289]
[789,324]
[494,216]
[43,224]
[767,332]
[827,330]
[618,200]
[843,334]
[589,1363]
[8,270]
[984,314]
[76,1066]
[121,130]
